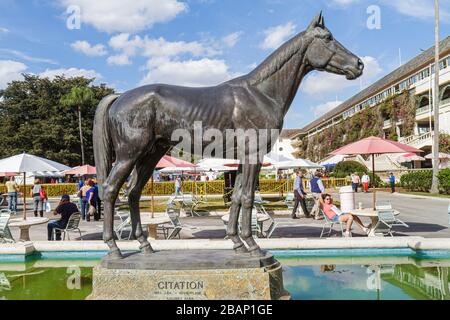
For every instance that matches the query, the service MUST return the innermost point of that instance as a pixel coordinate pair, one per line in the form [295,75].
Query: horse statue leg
[139,178]
[250,176]
[111,188]
[232,230]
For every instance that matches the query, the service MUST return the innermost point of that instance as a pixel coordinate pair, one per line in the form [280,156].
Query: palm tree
[78,97]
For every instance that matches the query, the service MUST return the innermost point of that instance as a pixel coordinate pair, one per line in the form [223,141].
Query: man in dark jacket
[65,209]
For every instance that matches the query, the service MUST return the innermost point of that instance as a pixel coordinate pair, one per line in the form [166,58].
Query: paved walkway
[426,217]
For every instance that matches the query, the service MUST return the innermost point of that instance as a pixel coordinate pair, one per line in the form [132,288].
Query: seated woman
[334,214]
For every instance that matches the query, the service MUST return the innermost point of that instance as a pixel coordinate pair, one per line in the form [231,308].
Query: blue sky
[204,42]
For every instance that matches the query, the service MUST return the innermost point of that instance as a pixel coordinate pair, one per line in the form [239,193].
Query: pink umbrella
[82,171]
[373,146]
[8,174]
[170,162]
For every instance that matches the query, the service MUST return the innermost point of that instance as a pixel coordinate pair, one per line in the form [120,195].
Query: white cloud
[422,9]
[4,30]
[231,39]
[344,2]
[26,57]
[119,60]
[126,16]
[276,36]
[70,73]
[323,108]
[324,82]
[192,73]
[10,71]
[153,48]
[93,51]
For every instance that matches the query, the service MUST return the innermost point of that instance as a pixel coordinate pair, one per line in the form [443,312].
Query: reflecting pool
[306,278]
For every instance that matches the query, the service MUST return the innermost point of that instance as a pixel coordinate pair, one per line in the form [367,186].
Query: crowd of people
[89,201]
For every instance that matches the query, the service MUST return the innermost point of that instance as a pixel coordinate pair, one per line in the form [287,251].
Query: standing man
[65,209]
[392,181]
[317,189]
[355,181]
[12,188]
[299,194]
[365,180]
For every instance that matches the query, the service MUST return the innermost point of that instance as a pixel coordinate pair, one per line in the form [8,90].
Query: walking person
[178,186]
[80,185]
[317,189]
[392,182]
[91,197]
[85,202]
[365,180]
[355,181]
[98,215]
[299,194]
[12,188]
[65,209]
[39,197]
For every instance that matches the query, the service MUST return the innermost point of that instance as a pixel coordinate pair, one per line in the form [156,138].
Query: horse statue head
[325,53]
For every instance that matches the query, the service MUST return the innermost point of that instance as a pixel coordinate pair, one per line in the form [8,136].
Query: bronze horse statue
[134,130]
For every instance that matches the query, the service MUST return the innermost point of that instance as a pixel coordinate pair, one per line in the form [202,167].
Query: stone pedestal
[189,275]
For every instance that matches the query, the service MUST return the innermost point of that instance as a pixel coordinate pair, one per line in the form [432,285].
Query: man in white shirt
[299,194]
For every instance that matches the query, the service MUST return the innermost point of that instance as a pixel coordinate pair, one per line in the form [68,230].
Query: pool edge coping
[25,249]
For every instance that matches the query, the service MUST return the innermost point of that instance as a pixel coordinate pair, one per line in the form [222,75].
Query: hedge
[444,180]
[421,181]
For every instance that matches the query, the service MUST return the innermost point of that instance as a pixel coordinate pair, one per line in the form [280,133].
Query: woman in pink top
[331,211]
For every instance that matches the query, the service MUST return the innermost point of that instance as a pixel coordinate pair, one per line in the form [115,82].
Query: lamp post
[435,182]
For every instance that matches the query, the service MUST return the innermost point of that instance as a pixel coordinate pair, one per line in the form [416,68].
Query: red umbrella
[82,170]
[373,146]
[170,162]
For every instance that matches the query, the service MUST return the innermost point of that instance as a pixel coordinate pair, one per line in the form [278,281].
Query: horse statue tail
[103,148]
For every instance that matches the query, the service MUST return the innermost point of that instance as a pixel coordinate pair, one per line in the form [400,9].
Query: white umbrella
[178,169]
[216,165]
[24,163]
[298,163]
[441,156]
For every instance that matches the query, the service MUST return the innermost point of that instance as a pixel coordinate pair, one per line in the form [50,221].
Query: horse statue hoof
[147,250]
[257,252]
[241,250]
[115,254]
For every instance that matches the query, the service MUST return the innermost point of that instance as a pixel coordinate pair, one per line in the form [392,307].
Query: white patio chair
[5,233]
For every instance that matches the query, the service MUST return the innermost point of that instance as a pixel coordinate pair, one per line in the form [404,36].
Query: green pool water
[310,276]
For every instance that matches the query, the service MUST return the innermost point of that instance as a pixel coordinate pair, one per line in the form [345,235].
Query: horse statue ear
[318,21]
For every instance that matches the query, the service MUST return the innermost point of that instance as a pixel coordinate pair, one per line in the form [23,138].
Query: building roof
[290,133]
[402,72]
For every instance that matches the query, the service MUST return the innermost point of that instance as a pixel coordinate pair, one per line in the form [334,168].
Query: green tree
[33,119]
[78,97]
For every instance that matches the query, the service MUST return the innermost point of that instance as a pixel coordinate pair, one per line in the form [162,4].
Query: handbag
[79,193]
[48,207]
[42,194]
[92,210]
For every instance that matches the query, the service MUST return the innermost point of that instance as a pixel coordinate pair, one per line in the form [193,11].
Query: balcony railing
[423,110]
